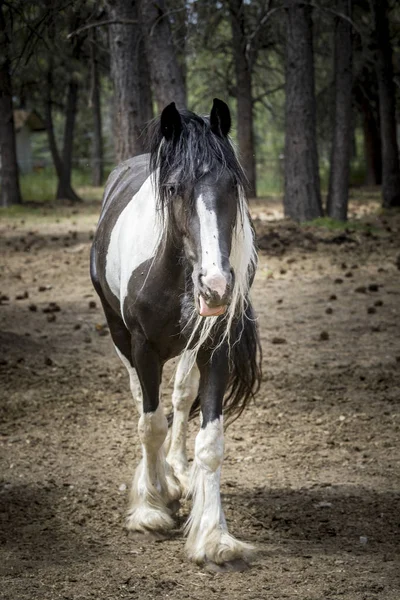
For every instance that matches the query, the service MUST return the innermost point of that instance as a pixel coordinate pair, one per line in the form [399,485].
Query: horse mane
[184,160]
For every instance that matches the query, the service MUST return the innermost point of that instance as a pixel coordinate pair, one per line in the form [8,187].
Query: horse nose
[216,287]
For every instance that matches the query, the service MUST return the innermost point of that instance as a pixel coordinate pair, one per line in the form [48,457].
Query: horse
[173,259]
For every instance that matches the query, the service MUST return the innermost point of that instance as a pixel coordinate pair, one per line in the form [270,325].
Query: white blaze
[211,263]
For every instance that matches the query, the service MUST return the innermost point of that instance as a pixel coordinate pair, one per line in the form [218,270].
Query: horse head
[200,183]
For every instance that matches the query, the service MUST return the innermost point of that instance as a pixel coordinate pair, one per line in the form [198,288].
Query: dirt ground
[311,473]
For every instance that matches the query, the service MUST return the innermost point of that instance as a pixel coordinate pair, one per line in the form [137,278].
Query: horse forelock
[196,152]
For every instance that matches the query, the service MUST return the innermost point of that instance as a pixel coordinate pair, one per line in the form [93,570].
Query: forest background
[312,86]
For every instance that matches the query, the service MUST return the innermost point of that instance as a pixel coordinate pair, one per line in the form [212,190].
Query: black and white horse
[173,260]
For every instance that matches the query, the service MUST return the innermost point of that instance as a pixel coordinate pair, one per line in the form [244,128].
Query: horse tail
[245,359]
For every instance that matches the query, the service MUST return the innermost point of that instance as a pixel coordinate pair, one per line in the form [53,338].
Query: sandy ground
[311,474]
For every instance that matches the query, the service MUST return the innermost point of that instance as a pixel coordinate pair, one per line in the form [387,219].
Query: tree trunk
[62,165]
[146,98]
[97,141]
[387,107]
[9,182]
[130,105]
[372,146]
[302,198]
[64,189]
[338,194]
[243,94]
[166,74]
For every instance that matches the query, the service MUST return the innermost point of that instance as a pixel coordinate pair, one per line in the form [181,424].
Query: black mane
[182,161]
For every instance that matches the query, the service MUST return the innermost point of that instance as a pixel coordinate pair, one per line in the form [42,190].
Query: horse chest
[161,311]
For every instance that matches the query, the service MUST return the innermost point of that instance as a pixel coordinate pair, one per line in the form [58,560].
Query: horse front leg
[208,539]
[185,390]
[154,485]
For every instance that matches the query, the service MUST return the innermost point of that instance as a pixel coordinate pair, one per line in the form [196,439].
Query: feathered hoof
[220,548]
[145,518]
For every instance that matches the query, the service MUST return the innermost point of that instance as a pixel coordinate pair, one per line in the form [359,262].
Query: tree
[9,182]
[302,198]
[62,162]
[166,74]
[244,96]
[130,76]
[342,131]
[387,106]
[367,102]
[97,141]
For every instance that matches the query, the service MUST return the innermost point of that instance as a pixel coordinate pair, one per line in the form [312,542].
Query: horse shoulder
[133,241]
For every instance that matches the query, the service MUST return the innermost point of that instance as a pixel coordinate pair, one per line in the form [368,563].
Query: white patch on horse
[185,390]
[211,265]
[134,239]
[207,534]
[154,485]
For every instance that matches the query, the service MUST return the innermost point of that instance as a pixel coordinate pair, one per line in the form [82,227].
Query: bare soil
[311,474]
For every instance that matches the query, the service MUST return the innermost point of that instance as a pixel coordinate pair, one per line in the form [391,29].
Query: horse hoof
[237,565]
[148,536]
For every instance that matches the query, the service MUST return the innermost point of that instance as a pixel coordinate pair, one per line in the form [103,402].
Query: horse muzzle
[214,294]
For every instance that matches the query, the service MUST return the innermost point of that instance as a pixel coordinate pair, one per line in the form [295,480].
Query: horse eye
[171,191]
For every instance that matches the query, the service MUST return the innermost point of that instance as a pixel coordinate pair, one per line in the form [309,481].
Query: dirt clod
[278,340]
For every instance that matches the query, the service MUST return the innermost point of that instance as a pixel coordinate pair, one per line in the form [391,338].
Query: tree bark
[131,85]
[97,140]
[387,107]
[338,194]
[166,74]
[64,189]
[372,146]
[243,94]
[302,198]
[9,182]
[62,164]
[146,97]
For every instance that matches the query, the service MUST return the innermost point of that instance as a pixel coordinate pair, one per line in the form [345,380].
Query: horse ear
[171,122]
[220,118]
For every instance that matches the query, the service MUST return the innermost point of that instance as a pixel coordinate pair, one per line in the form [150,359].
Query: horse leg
[185,390]
[123,342]
[154,485]
[208,539]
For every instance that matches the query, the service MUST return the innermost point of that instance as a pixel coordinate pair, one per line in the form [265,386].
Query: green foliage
[335,225]
[40,186]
